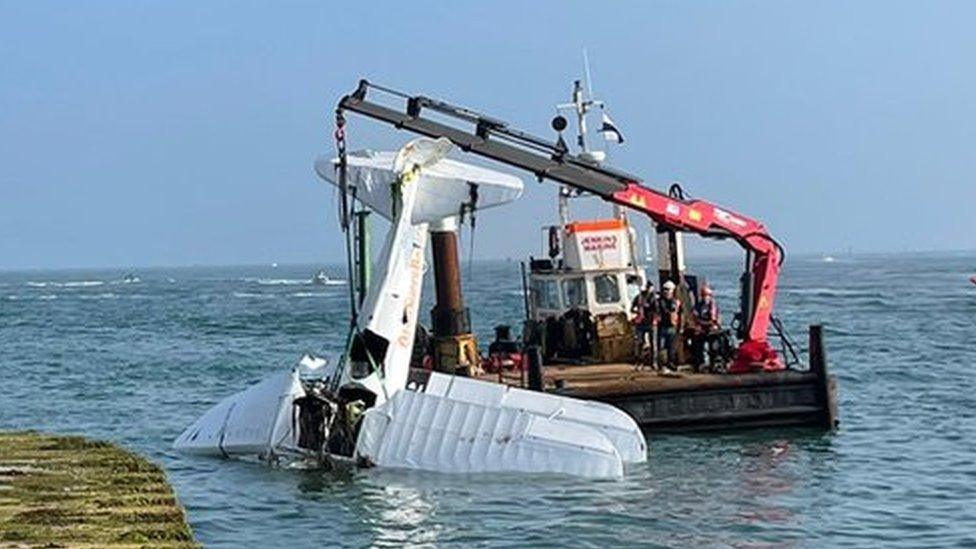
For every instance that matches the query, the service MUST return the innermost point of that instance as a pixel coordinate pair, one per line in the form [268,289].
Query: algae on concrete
[66,491]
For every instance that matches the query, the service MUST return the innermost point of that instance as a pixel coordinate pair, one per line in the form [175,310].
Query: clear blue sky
[169,133]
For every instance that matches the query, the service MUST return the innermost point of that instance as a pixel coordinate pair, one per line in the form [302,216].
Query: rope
[472,207]
[471,249]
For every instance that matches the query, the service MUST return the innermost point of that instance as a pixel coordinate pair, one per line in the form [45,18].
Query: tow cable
[470,208]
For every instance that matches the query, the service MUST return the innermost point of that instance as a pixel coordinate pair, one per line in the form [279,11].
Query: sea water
[86,352]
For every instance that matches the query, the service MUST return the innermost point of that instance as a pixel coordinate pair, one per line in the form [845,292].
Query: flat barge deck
[692,402]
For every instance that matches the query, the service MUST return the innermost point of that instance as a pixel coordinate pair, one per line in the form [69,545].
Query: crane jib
[496,140]
[522,153]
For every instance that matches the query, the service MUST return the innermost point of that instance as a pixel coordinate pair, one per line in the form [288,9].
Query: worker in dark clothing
[644,307]
[669,324]
[707,325]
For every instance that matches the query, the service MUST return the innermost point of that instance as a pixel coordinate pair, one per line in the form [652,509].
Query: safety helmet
[668,285]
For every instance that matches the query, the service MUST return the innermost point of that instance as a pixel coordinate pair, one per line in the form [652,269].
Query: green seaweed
[67,491]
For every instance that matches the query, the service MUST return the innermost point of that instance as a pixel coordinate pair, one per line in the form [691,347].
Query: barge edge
[699,402]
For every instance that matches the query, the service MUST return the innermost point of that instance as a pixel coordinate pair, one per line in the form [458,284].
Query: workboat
[577,338]
[321,279]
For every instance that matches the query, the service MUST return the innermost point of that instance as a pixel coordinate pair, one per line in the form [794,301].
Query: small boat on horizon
[322,279]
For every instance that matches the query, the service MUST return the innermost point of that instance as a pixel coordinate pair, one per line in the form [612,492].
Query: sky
[182,133]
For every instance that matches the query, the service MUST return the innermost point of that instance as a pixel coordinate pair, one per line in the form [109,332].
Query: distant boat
[321,279]
[130,278]
[274,265]
[828,259]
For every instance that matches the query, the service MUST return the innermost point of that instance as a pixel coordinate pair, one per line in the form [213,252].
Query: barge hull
[695,402]
[701,405]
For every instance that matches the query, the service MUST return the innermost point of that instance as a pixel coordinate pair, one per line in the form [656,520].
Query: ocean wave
[82,284]
[249,295]
[833,292]
[280,281]
[295,282]
[104,295]
[47,297]
[309,294]
[69,284]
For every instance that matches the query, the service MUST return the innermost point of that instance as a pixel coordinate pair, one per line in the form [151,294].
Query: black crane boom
[492,139]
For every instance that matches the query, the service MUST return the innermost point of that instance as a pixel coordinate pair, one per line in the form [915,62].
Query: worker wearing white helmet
[669,323]
[705,328]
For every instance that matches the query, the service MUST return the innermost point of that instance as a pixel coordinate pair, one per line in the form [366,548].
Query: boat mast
[581,105]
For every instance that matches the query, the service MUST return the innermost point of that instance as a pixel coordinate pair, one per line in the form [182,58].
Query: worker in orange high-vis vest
[707,325]
[669,324]
[644,307]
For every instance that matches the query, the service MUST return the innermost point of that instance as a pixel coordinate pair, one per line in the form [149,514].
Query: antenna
[582,103]
[586,72]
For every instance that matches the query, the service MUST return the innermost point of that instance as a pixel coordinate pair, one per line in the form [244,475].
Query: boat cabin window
[546,294]
[574,292]
[607,288]
[633,287]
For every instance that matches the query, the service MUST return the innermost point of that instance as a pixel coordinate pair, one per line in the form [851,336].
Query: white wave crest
[104,295]
[69,284]
[833,292]
[249,295]
[308,294]
[282,282]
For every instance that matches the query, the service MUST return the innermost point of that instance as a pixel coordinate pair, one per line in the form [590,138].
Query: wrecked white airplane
[365,408]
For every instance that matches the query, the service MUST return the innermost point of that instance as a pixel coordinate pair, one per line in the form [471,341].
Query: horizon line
[340,263]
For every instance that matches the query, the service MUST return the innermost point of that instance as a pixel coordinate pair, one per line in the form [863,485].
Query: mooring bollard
[817,355]
[827,385]
[534,355]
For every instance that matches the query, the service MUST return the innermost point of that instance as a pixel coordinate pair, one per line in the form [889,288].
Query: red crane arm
[707,219]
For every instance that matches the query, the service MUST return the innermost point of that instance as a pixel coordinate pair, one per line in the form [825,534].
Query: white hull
[453,425]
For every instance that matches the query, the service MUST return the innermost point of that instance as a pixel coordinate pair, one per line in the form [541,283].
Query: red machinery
[494,139]
[764,257]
